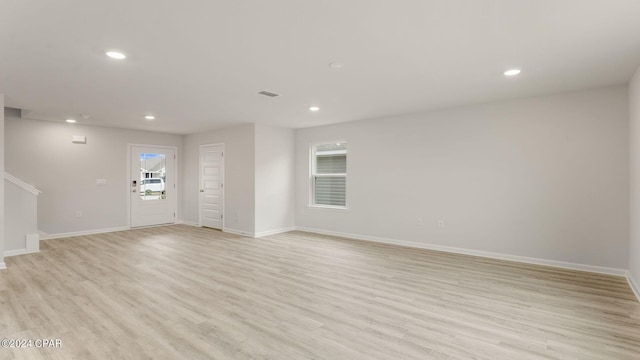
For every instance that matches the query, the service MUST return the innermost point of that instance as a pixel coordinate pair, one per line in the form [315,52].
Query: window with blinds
[329,175]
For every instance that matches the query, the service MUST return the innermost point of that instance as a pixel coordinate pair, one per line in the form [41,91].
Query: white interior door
[212,186]
[152,185]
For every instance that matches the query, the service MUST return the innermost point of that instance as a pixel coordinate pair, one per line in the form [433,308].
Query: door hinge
[221,217]
[222,154]
[174,156]
[222,186]
[174,214]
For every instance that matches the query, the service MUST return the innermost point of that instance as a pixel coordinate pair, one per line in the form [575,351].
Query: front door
[152,185]
[212,186]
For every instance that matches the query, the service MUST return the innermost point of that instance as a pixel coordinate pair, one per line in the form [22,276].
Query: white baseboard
[83,233]
[3,265]
[33,246]
[634,286]
[238,232]
[16,252]
[245,233]
[485,254]
[274,231]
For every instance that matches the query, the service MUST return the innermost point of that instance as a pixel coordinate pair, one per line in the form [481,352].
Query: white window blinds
[329,175]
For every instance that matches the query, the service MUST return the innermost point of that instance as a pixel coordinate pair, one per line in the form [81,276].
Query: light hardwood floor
[181,292]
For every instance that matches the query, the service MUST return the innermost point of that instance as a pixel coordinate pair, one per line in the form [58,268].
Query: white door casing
[212,186]
[152,185]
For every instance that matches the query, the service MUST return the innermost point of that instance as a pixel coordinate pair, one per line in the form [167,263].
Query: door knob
[201,190]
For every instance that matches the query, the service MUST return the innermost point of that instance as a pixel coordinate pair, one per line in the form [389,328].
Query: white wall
[2,145]
[543,177]
[239,176]
[41,153]
[634,131]
[21,216]
[275,184]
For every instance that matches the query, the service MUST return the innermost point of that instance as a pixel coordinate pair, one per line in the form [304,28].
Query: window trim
[313,175]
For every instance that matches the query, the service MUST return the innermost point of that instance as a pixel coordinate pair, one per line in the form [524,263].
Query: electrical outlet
[441,223]
[419,221]
[78,213]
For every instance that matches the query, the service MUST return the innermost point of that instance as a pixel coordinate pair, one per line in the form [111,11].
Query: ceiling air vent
[268,93]
[12,112]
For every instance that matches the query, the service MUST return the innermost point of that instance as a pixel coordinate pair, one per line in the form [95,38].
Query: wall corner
[2,264]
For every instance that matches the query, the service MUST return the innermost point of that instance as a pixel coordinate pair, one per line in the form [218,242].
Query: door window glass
[153,176]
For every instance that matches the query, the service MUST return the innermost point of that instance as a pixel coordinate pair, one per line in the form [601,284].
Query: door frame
[128,182]
[224,181]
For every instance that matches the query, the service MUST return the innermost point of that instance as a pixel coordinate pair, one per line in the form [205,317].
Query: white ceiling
[198,65]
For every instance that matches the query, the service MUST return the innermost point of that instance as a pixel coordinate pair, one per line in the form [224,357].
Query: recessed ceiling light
[70,121]
[336,65]
[314,108]
[116,55]
[149,117]
[512,72]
